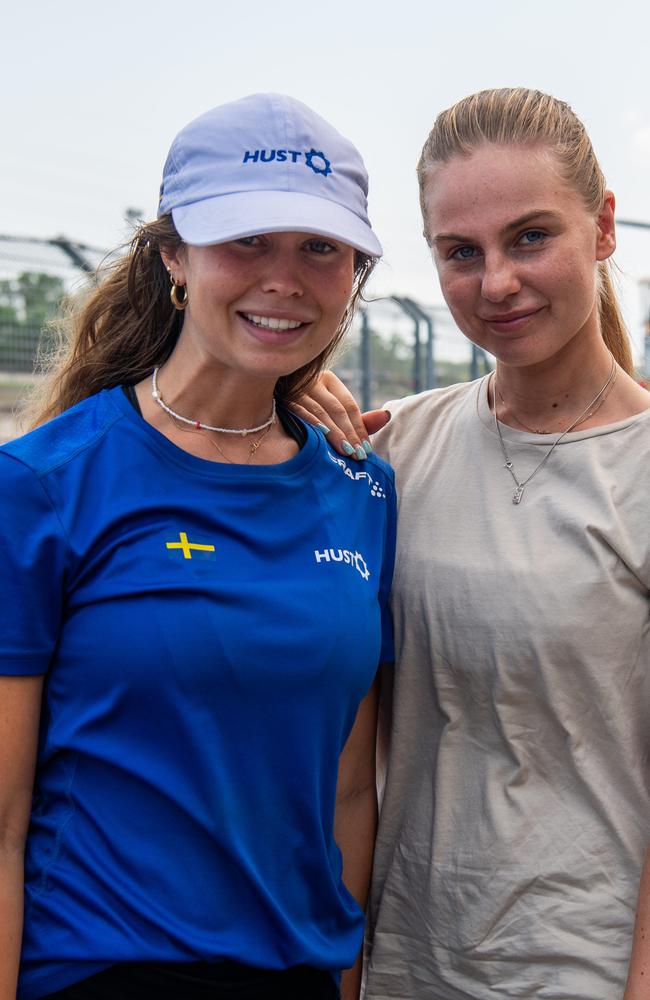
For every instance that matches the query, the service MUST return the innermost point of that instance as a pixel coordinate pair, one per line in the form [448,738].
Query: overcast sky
[94,93]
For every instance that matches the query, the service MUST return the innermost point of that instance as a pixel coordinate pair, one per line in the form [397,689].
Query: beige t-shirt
[517,802]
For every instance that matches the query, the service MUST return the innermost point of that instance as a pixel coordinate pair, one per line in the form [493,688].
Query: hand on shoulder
[330,405]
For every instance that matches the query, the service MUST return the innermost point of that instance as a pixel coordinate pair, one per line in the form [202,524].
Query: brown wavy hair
[517,116]
[122,328]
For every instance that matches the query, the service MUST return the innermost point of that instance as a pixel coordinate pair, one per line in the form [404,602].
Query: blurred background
[94,94]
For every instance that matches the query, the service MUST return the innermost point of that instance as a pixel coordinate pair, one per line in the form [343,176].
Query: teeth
[273,324]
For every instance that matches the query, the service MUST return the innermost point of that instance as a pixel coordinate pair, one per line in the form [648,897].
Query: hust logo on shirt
[344,556]
[315,159]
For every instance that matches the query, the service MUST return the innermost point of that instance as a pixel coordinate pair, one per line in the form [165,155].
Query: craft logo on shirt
[376,490]
[353,559]
[189,549]
[315,159]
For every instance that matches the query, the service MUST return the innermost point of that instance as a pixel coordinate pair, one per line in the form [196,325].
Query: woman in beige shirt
[516,811]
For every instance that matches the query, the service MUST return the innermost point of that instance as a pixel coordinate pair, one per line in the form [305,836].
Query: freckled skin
[546,266]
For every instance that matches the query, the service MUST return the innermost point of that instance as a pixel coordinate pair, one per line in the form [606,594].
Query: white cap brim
[250,213]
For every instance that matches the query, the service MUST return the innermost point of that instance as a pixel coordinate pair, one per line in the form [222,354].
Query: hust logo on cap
[266,163]
[315,159]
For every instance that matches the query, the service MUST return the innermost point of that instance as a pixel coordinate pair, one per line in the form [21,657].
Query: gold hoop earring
[176,302]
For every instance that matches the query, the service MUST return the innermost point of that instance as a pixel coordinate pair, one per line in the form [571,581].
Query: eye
[321,246]
[532,237]
[463,253]
[249,241]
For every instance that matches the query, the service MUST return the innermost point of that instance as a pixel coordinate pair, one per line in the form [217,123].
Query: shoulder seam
[38,479]
[81,448]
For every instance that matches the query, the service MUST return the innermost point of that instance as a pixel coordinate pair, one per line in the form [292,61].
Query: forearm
[20,707]
[11,917]
[638,981]
[355,829]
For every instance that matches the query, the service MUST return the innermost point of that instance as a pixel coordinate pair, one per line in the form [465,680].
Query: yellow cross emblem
[188,546]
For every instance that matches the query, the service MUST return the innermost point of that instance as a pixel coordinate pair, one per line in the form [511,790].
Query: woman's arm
[638,980]
[355,820]
[20,706]
[332,405]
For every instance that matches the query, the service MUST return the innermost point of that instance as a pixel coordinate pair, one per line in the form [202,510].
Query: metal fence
[395,347]
[18,347]
[398,346]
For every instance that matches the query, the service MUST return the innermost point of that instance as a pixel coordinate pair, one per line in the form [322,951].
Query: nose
[500,277]
[282,276]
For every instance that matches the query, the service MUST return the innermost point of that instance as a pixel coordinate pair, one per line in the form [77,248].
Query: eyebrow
[522,220]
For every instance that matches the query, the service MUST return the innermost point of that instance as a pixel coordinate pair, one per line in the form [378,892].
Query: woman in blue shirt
[169,536]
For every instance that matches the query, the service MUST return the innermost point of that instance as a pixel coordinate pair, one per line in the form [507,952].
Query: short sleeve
[33,556]
[388,565]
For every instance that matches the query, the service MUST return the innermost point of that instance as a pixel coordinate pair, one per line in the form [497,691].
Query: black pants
[200,981]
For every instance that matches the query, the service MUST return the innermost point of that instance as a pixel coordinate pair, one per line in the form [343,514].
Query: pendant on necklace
[518,494]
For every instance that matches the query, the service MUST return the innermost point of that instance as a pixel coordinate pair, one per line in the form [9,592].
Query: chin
[520,352]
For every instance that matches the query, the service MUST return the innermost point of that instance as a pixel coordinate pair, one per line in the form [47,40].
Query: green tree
[26,304]
[31,299]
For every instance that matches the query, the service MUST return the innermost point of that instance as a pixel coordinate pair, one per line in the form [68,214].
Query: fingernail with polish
[347,448]
[324,428]
[360,453]
[367,447]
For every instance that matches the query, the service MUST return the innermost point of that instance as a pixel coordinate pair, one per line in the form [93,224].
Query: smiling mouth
[511,317]
[271,323]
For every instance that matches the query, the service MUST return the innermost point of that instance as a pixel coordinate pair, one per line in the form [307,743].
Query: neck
[550,395]
[213,395]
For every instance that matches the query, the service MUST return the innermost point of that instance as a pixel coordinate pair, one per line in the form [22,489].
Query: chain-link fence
[18,347]
[390,352]
[396,346]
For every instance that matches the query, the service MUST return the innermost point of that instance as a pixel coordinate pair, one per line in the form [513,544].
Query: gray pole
[72,249]
[417,350]
[406,307]
[473,368]
[431,380]
[73,252]
[366,378]
[633,223]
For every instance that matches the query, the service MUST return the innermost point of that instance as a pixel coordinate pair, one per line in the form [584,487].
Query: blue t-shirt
[207,632]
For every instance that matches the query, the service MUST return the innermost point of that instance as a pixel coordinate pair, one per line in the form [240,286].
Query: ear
[173,261]
[606,228]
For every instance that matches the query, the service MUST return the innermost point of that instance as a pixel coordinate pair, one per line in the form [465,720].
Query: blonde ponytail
[611,321]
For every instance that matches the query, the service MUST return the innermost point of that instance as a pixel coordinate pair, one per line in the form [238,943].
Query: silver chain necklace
[521,484]
[155,392]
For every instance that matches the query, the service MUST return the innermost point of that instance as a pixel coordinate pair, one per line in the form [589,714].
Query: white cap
[265,164]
